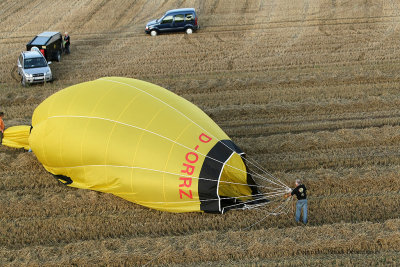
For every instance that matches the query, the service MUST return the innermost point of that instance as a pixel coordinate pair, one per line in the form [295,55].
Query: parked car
[33,67]
[50,45]
[184,19]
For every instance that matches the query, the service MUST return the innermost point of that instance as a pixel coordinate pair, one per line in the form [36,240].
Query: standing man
[1,126]
[66,42]
[301,193]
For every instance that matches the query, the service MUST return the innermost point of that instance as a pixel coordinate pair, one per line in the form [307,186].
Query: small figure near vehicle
[33,67]
[184,19]
[66,43]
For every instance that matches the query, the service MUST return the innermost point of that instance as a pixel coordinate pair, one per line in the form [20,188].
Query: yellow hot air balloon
[140,142]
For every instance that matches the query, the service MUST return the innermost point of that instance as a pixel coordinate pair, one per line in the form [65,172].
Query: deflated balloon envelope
[140,142]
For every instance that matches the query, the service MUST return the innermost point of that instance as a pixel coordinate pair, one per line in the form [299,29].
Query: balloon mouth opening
[226,183]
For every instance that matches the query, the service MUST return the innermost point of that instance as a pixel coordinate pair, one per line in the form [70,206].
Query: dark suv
[50,45]
[183,19]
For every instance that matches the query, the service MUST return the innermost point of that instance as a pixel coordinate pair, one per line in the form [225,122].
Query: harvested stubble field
[307,89]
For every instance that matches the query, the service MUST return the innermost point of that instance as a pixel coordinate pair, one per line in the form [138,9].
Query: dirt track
[308,89]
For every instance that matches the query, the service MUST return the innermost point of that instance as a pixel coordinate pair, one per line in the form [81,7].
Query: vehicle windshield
[160,19]
[40,40]
[35,62]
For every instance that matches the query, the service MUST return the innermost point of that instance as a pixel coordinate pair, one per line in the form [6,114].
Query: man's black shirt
[300,192]
[66,39]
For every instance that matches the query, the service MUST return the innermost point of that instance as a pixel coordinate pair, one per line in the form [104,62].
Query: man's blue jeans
[301,205]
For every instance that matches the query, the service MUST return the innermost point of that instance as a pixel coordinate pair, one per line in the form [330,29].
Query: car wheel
[189,31]
[153,33]
[23,82]
[58,56]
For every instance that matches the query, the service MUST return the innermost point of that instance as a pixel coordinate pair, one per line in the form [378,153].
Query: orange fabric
[2,125]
